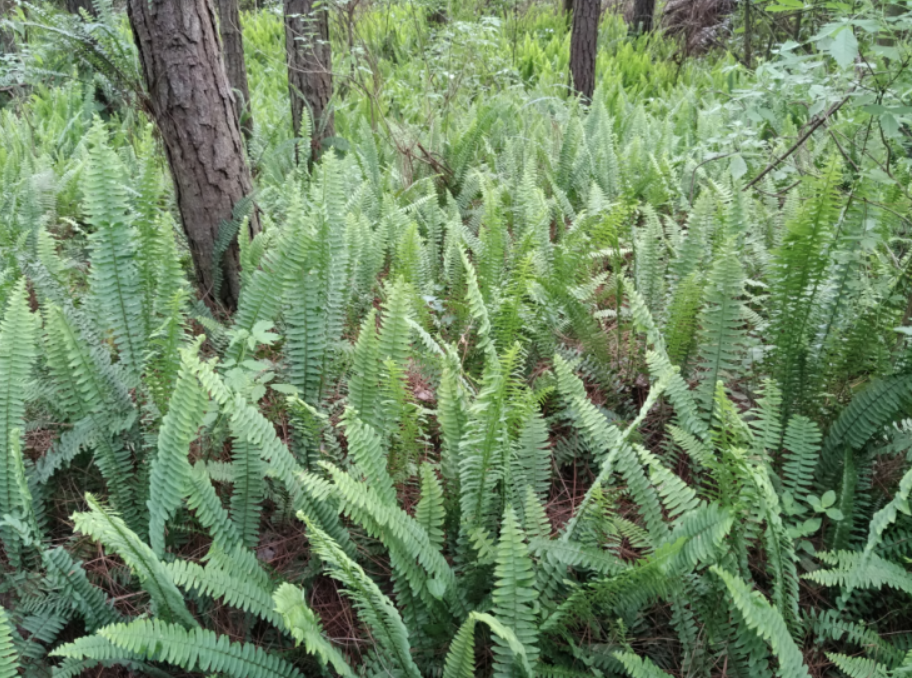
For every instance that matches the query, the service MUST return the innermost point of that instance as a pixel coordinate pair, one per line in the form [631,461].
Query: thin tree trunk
[309,57]
[233,53]
[191,101]
[74,6]
[583,46]
[643,14]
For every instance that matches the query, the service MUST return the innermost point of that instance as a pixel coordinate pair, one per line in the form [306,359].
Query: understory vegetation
[516,386]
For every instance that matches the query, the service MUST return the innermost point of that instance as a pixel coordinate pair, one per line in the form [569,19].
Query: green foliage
[545,382]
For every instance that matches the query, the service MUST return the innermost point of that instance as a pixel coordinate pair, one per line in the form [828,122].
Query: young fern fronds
[460,661]
[102,525]
[766,622]
[196,649]
[305,627]
[859,667]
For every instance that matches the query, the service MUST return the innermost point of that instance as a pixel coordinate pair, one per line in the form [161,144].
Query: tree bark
[233,53]
[309,57]
[191,101]
[583,46]
[74,6]
[643,13]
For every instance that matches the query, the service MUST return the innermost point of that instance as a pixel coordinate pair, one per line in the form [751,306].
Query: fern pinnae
[171,468]
[17,352]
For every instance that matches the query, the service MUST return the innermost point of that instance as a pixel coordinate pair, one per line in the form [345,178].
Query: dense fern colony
[514,387]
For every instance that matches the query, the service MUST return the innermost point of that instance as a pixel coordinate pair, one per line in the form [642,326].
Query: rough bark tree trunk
[643,13]
[233,53]
[309,57]
[192,103]
[583,46]
[76,5]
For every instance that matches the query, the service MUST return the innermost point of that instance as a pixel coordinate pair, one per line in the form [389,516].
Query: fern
[374,608]
[115,282]
[9,661]
[171,466]
[111,531]
[17,352]
[305,627]
[514,595]
[766,622]
[194,650]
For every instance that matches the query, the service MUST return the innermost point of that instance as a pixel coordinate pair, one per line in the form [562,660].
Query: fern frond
[639,667]
[374,608]
[514,595]
[192,650]
[171,467]
[111,531]
[304,626]
[767,623]
[9,660]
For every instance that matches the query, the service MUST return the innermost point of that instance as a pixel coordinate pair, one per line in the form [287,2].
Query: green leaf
[844,48]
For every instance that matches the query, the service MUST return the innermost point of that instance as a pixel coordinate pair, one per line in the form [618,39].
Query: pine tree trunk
[74,6]
[643,13]
[233,53]
[583,46]
[309,57]
[191,101]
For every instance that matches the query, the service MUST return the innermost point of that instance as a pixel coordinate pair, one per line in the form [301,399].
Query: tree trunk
[309,57]
[643,13]
[583,46]
[192,103]
[233,53]
[74,6]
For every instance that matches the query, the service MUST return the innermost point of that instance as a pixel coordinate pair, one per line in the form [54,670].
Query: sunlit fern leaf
[305,627]
[196,649]
[110,530]
[639,667]
[171,467]
[18,333]
[115,283]
[767,623]
[374,607]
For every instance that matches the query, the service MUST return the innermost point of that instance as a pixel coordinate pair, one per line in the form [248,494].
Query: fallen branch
[804,137]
